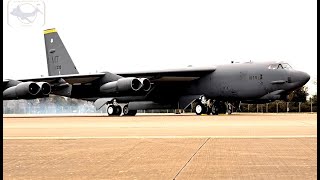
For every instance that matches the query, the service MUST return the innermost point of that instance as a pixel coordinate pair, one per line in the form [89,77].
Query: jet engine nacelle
[22,90]
[122,85]
[146,84]
[45,88]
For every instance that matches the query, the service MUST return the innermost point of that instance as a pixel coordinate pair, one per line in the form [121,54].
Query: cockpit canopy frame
[279,66]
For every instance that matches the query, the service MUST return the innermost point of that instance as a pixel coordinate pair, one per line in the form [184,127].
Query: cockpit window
[280,66]
[286,66]
[273,66]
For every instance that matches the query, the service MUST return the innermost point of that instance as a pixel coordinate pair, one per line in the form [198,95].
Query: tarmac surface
[185,146]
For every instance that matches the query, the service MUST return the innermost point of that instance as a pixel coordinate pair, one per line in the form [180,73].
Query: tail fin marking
[58,59]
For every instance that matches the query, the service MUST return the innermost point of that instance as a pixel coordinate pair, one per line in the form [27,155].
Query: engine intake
[146,84]
[121,85]
[45,88]
[22,90]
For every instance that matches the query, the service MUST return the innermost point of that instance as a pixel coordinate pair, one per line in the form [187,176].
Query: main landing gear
[114,109]
[209,106]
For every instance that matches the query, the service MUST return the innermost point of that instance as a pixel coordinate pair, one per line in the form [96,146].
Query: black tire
[127,112]
[117,110]
[214,110]
[208,111]
[229,109]
[199,109]
[111,110]
[222,108]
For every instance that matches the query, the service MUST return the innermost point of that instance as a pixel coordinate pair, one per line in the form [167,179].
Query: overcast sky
[131,35]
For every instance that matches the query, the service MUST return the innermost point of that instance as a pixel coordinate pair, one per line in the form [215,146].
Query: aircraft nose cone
[303,77]
[306,77]
[298,79]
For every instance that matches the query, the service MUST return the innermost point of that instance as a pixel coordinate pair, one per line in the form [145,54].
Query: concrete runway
[237,146]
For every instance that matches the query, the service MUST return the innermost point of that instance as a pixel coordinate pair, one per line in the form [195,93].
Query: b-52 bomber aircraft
[212,89]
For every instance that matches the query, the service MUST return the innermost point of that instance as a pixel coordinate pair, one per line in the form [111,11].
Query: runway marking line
[157,137]
[190,159]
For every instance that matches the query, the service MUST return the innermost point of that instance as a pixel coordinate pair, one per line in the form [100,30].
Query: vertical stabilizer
[58,59]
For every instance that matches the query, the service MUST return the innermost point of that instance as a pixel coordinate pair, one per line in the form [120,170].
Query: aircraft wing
[4,83]
[181,74]
[71,79]
[62,84]
[172,75]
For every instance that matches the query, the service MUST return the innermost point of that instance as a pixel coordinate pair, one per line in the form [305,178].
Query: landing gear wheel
[229,108]
[111,110]
[208,110]
[214,110]
[117,110]
[199,109]
[127,112]
[114,110]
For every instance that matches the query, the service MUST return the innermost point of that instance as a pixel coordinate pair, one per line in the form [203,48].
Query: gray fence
[277,107]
